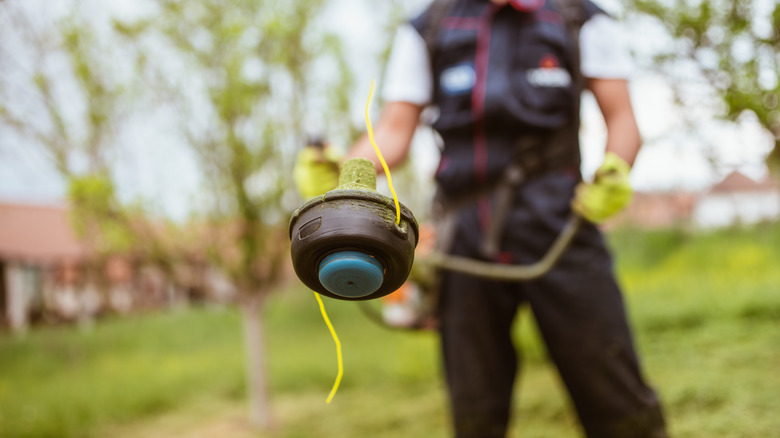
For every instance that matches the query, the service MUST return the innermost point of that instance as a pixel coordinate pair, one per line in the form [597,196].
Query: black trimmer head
[346,244]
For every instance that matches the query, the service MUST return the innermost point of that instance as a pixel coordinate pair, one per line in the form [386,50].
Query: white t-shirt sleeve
[408,75]
[603,53]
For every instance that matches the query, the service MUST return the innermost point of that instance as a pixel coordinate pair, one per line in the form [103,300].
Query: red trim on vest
[463,23]
[481,59]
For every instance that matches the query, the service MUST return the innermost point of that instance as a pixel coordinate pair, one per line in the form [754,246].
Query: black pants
[578,308]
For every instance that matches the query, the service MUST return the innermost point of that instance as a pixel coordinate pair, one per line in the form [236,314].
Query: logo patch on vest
[549,74]
[458,79]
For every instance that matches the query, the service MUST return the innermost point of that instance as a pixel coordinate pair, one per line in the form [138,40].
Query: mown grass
[705,308]
[62,382]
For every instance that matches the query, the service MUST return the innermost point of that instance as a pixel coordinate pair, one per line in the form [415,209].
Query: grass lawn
[705,309]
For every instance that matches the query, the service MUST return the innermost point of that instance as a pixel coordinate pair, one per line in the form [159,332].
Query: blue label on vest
[458,79]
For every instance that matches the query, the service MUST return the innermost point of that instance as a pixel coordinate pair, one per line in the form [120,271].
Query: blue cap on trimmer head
[351,274]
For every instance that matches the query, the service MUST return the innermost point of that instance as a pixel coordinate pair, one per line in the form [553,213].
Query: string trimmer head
[346,244]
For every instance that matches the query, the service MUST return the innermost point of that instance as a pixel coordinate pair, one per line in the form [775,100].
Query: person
[505,77]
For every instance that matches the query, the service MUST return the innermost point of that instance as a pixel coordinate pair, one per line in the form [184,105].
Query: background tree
[250,77]
[59,92]
[730,46]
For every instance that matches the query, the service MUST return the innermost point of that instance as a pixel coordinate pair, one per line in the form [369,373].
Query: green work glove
[608,194]
[316,171]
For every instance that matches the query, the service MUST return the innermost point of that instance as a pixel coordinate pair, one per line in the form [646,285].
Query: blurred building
[658,210]
[48,274]
[36,245]
[736,200]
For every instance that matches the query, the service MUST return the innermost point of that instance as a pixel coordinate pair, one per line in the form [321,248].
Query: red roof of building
[738,182]
[37,234]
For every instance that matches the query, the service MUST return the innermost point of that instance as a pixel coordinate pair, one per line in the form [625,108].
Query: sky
[672,158]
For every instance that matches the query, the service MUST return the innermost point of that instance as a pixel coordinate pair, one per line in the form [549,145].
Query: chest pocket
[530,79]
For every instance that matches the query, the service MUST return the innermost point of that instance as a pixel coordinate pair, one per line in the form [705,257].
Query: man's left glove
[316,171]
[608,194]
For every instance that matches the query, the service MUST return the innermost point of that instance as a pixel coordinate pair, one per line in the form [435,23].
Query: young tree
[248,75]
[733,47]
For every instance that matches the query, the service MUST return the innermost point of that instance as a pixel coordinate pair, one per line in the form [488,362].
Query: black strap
[573,12]
[436,13]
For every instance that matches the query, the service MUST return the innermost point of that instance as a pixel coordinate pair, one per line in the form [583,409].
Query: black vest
[505,89]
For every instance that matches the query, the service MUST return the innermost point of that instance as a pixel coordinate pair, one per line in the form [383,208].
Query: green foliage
[130,30]
[98,88]
[94,192]
[96,215]
[253,66]
[735,46]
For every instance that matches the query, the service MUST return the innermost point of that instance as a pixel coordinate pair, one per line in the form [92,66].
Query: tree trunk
[254,346]
[773,159]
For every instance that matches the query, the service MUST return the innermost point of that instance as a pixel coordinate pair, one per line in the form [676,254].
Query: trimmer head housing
[346,245]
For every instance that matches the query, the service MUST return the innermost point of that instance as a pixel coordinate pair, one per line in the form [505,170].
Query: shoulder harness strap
[573,12]
[436,13]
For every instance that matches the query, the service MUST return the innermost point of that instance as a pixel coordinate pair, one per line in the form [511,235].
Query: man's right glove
[608,194]
[316,171]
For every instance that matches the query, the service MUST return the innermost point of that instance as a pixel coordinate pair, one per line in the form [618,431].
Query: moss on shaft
[357,174]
